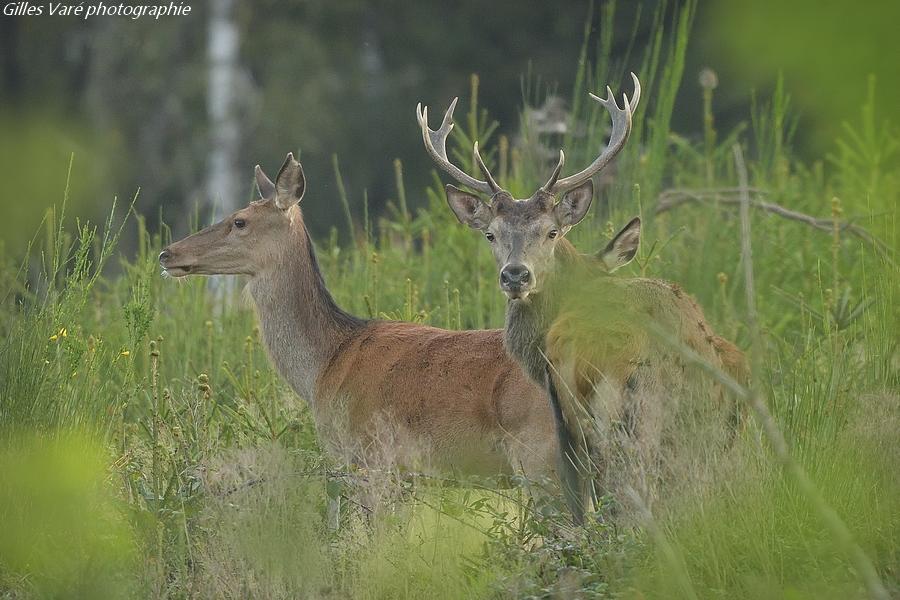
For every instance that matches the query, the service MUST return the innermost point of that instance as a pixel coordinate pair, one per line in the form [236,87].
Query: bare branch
[671,199]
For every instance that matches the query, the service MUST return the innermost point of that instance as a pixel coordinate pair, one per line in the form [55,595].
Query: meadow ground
[148,449]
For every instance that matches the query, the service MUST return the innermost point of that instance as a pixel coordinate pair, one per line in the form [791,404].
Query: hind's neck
[301,325]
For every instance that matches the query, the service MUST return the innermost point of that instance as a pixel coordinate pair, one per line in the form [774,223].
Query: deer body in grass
[382,393]
[625,402]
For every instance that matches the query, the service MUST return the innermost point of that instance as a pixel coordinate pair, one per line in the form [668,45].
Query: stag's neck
[527,321]
[300,322]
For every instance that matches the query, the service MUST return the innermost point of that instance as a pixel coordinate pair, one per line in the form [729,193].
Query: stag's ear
[469,209]
[290,183]
[574,205]
[264,185]
[622,248]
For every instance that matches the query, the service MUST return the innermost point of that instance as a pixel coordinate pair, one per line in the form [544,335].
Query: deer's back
[613,323]
[454,391]
[605,347]
[648,415]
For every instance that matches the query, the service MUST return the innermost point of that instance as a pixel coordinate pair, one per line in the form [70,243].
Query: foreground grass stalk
[833,522]
[670,554]
[747,255]
[342,194]
[708,82]
[155,457]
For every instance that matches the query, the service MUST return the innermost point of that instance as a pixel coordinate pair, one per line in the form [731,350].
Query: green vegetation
[148,449]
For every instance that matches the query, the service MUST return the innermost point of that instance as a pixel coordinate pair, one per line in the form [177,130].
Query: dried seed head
[836,209]
[708,79]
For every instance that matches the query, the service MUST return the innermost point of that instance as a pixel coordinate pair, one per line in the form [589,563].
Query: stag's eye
[490,237]
[240,223]
[553,233]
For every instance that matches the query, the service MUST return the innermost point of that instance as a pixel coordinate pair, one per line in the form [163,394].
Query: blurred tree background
[130,97]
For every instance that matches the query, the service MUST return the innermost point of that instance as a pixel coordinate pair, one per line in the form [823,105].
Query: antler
[436,145]
[621,129]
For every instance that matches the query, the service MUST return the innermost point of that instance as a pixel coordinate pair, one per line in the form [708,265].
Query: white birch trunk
[223,188]
[223,184]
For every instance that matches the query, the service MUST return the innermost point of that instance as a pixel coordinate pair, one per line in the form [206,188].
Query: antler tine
[484,170]
[548,187]
[436,146]
[636,96]
[621,129]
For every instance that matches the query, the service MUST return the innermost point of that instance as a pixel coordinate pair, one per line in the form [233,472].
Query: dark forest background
[130,98]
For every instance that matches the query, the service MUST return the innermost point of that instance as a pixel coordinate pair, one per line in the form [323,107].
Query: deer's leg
[574,454]
[648,405]
[533,453]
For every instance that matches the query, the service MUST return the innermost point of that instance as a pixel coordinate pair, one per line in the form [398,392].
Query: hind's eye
[490,236]
[240,223]
[553,233]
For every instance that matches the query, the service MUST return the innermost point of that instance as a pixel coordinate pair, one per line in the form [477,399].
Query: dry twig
[671,199]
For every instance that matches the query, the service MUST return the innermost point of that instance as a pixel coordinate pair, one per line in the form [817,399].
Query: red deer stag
[621,395]
[382,393]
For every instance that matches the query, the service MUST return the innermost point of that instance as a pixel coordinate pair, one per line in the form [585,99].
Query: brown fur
[617,390]
[643,414]
[456,393]
[382,393]
[630,405]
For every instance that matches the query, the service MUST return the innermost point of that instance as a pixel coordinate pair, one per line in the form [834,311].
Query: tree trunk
[223,185]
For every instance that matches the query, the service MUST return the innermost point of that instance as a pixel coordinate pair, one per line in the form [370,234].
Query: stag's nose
[164,256]
[514,276]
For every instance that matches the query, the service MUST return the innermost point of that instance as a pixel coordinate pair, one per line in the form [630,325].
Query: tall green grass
[147,447]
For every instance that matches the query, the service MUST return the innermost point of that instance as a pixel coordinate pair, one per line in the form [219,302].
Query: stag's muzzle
[516,280]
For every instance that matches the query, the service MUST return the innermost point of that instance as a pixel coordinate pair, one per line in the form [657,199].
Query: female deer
[621,397]
[382,393]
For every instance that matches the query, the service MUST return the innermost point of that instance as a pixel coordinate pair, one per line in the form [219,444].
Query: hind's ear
[290,183]
[264,185]
[622,248]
